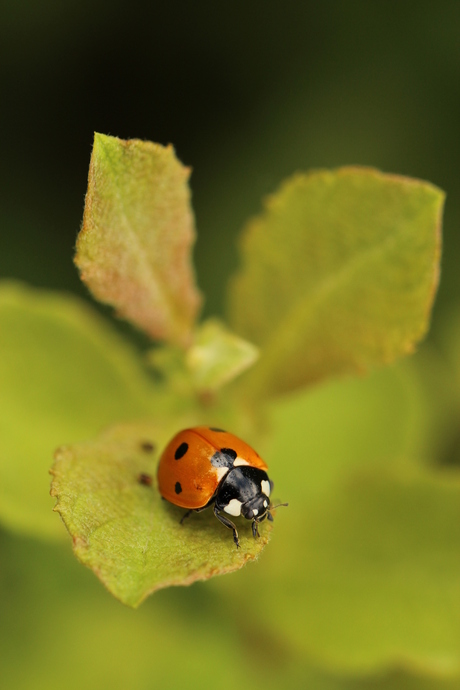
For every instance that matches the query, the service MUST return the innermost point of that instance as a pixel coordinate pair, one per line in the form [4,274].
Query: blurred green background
[248,92]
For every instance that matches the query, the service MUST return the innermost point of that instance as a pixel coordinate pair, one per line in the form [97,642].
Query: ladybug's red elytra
[205,465]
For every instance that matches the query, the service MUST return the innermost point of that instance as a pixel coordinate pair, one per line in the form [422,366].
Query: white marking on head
[240,461]
[221,472]
[255,511]
[265,486]
[265,504]
[234,507]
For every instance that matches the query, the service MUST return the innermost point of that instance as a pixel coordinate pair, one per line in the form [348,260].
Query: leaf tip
[100,139]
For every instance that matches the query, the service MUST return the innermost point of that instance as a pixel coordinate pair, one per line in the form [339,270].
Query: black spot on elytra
[180,452]
[220,431]
[230,452]
[223,458]
[178,488]
[147,446]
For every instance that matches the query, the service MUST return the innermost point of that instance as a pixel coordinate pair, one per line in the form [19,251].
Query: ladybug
[204,465]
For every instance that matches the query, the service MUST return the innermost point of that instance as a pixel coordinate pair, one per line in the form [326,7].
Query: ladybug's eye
[255,508]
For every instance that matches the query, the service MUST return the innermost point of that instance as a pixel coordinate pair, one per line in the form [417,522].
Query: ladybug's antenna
[278,505]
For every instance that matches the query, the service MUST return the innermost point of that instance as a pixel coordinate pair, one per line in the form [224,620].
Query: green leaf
[64,375]
[370,578]
[122,650]
[449,344]
[323,435]
[217,356]
[339,274]
[124,531]
[399,680]
[115,647]
[133,251]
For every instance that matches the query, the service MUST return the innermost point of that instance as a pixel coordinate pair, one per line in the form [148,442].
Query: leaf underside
[133,250]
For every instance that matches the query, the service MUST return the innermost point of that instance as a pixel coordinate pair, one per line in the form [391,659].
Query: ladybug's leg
[228,523]
[256,521]
[255,524]
[194,510]
[185,515]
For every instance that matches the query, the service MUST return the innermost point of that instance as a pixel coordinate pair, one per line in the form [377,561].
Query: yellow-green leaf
[370,578]
[217,356]
[133,251]
[122,650]
[121,528]
[339,274]
[64,375]
[323,435]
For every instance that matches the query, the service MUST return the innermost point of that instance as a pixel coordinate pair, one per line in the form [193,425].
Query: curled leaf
[133,250]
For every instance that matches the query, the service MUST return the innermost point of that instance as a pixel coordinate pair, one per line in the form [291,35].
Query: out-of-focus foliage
[354,565]
[375,567]
[58,611]
[65,375]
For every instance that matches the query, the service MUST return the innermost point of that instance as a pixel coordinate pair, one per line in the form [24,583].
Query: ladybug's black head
[245,491]
[256,508]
